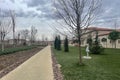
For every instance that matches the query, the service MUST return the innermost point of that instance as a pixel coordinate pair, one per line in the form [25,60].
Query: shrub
[104,40]
[59,43]
[24,43]
[96,48]
[66,48]
[89,40]
[55,42]
[13,50]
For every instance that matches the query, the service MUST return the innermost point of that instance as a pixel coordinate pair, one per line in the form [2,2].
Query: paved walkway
[38,67]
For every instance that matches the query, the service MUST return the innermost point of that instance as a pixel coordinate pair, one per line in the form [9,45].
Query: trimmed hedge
[13,50]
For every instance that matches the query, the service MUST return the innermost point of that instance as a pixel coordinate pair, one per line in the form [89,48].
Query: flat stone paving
[38,67]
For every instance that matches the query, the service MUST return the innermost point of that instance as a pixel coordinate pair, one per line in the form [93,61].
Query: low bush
[96,49]
[13,50]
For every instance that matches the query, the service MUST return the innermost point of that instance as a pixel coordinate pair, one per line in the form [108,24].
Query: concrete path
[38,67]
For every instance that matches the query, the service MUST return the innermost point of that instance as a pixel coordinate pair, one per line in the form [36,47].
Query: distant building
[102,33]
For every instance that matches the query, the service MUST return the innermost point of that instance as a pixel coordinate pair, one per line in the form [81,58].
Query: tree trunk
[106,44]
[112,44]
[80,54]
[2,45]
[13,39]
[2,42]
[115,43]
[79,47]
[79,37]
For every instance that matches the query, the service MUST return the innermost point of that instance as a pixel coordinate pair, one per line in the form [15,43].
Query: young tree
[43,40]
[89,40]
[5,28]
[59,43]
[66,47]
[18,38]
[96,48]
[77,15]
[12,15]
[25,35]
[55,42]
[113,36]
[46,41]
[33,34]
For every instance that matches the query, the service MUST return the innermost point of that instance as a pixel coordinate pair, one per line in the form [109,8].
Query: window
[118,41]
[110,41]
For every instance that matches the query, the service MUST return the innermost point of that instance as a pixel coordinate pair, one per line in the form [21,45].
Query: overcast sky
[39,13]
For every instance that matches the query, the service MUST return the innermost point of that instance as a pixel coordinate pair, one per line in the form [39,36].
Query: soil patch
[11,61]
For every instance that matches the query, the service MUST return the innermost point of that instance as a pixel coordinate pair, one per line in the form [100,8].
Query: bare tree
[5,27]
[77,16]
[25,34]
[18,41]
[12,15]
[17,37]
[33,34]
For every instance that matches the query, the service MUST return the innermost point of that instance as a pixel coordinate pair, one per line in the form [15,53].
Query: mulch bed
[11,61]
[56,68]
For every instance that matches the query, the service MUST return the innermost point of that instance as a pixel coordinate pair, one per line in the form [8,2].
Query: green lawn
[101,67]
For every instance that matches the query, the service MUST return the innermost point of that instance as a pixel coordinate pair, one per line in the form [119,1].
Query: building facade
[102,33]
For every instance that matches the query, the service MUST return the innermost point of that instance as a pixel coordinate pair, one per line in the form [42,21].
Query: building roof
[106,33]
[118,30]
[106,30]
[99,29]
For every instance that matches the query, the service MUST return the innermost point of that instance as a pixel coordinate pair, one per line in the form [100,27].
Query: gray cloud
[4,13]
[35,8]
[110,10]
[20,13]
[34,3]
[44,6]
[49,15]
[13,1]
[109,14]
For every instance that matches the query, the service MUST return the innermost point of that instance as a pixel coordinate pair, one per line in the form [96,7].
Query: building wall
[107,44]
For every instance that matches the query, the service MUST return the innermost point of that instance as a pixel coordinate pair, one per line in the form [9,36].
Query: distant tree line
[8,25]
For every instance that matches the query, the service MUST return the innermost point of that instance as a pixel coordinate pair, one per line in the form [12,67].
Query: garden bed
[16,49]
[11,61]
[56,69]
